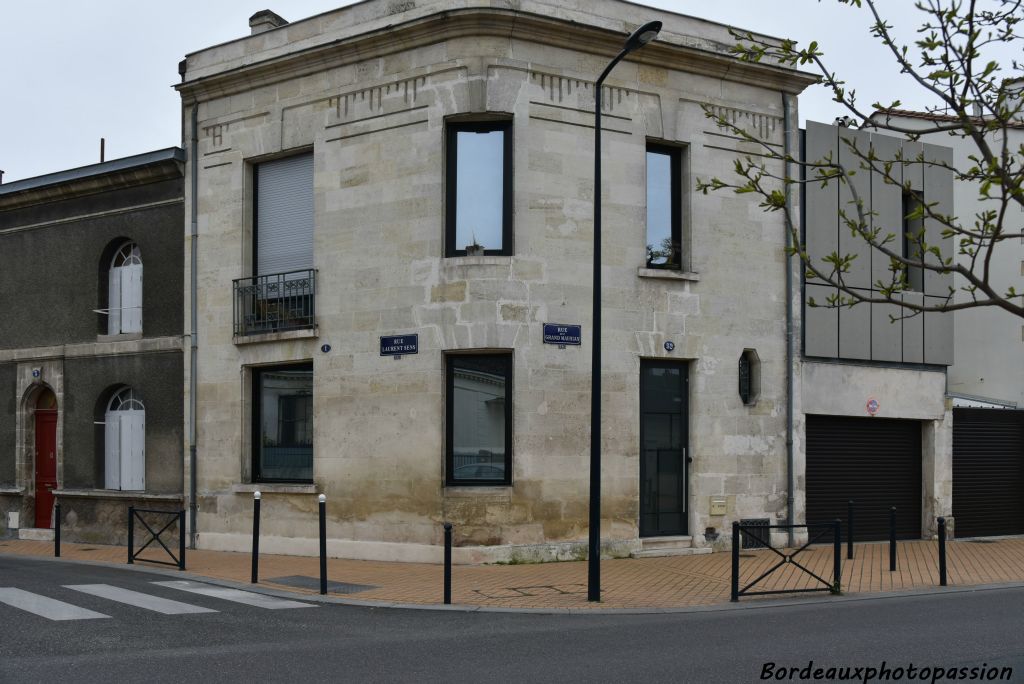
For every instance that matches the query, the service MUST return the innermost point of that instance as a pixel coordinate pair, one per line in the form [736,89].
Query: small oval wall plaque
[670,345]
[325,348]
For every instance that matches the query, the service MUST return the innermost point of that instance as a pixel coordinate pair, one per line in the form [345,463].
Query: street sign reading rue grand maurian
[562,334]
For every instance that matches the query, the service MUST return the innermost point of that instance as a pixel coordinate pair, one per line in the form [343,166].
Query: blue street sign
[561,334]
[399,345]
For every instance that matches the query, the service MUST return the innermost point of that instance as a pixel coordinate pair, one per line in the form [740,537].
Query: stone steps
[656,547]
[35,533]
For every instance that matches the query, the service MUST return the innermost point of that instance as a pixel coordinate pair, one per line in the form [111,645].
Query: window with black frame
[664,207]
[283,423]
[479,419]
[478,182]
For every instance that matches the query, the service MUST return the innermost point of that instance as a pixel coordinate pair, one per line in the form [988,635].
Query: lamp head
[642,36]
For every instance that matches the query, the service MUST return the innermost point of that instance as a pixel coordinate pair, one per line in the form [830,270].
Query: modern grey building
[91,271]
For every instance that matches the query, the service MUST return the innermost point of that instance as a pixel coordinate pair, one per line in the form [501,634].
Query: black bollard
[892,539]
[849,529]
[735,561]
[255,536]
[56,530]
[837,555]
[181,539]
[942,552]
[447,564]
[323,544]
[131,533]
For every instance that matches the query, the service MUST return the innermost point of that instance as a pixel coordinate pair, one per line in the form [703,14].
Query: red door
[46,465]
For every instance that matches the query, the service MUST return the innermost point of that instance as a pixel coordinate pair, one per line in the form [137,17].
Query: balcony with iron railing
[274,303]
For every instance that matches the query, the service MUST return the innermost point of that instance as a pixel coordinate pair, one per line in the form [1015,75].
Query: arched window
[124,287]
[124,442]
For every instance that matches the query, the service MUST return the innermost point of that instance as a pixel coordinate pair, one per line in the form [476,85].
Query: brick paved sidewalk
[674,582]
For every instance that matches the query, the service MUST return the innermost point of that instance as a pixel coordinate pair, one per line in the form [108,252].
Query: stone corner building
[90,350]
[393,200]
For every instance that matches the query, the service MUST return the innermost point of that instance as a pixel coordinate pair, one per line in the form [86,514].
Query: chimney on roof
[265,20]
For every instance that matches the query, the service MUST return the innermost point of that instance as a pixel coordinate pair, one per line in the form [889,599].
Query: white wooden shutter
[131,298]
[114,301]
[112,451]
[284,215]
[133,450]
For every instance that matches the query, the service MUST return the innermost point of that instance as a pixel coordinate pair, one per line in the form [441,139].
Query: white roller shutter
[114,301]
[133,450]
[284,215]
[112,450]
[131,298]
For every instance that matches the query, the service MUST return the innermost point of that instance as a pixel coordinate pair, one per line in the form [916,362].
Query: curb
[466,608]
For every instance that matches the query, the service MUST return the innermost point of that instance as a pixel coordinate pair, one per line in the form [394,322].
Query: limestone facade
[369,90]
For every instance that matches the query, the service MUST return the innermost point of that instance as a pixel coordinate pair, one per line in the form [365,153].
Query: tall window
[664,210]
[283,215]
[478,182]
[479,419]
[124,291]
[124,442]
[283,423]
[913,236]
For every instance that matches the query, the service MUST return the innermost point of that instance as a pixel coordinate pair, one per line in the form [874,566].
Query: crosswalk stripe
[235,595]
[138,599]
[49,608]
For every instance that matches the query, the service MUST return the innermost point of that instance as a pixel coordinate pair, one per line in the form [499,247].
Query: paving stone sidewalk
[673,582]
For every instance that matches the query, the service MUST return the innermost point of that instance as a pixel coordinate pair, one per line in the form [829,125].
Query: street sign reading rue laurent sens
[399,345]
[561,334]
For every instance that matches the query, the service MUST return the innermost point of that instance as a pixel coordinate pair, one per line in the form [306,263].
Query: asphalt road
[236,642]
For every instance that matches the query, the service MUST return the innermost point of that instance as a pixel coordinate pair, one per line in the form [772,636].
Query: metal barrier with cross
[178,516]
[754,533]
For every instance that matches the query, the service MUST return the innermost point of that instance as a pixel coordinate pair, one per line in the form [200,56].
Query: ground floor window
[283,423]
[479,419]
[124,442]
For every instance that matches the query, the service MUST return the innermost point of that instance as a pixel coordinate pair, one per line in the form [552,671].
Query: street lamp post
[637,39]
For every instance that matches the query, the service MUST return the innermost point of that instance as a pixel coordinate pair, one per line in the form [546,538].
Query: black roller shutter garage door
[876,462]
[988,472]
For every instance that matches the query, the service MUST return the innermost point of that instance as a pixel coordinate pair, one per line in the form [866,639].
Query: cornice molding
[486,22]
[91,185]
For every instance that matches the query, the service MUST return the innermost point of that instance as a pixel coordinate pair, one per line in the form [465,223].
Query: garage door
[876,462]
[988,471]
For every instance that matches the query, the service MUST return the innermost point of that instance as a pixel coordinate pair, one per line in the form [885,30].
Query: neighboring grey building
[392,202]
[873,390]
[986,380]
[90,351]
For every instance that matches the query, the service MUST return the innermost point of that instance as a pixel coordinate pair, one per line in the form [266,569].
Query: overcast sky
[73,72]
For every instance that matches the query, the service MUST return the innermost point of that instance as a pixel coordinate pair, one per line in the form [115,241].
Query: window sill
[273,488]
[308,333]
[501,492]
[488,260]
[667,274]
[12,490]
[120,337]
[114,494]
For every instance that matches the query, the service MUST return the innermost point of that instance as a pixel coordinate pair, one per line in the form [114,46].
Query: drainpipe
[787,123]
[194,206]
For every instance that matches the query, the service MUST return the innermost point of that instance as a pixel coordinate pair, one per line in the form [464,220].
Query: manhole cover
[303,582]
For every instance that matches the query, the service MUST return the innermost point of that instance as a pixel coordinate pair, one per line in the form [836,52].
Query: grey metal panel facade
[821,323]
[855,332]
[864,332]
[859,187]
[886,334]
[887,203]
[938,335]
[913,332]
[822,202]
[938,185]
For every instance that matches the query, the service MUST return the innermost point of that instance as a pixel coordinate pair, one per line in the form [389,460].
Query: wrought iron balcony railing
[275,302]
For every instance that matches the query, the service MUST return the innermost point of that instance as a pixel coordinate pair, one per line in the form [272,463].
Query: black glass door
[663,442]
